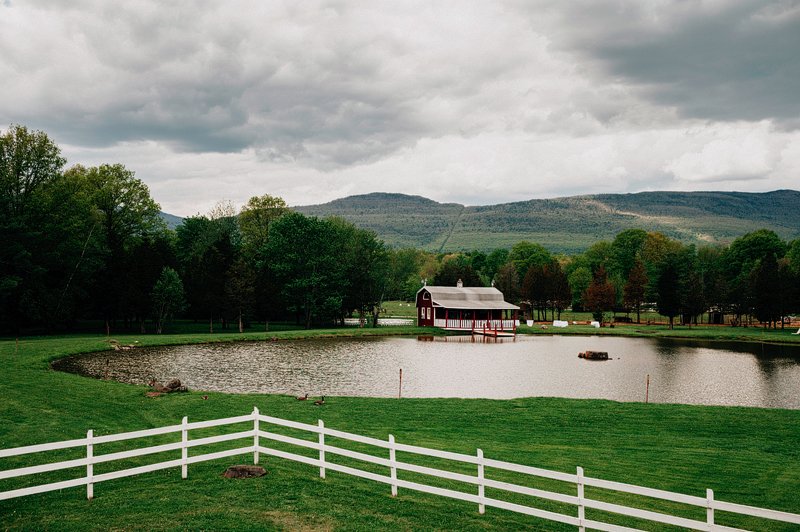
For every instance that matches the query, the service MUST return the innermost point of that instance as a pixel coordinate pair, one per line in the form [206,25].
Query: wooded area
[89,244]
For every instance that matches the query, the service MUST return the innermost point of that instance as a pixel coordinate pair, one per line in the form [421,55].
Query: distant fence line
[382,322]
[479,480]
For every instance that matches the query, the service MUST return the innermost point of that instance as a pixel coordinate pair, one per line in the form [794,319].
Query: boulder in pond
[594,355]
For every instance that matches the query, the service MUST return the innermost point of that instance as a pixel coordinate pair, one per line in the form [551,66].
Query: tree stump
[594,355]
[244,471]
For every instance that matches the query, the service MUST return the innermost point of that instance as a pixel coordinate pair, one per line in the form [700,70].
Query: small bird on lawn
[320,402]
[302,397]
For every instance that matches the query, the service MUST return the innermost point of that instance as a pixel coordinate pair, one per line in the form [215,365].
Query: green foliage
[601,296]
[455,268]
[669,289]
[91,242]
[579,281]
[255,219]
[167,297]
[525,254]
[635,288]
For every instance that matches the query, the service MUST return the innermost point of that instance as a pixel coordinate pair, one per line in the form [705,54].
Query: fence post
[392,465]
[321,448]
[255,435]
[581,508]
[185,447]
[710,508]
[481,505]
[89,465]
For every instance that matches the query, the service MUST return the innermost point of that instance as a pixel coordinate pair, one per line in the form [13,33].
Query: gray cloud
[472,101]
[731,60]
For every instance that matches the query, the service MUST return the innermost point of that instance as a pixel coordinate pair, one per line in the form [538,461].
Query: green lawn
[746,455]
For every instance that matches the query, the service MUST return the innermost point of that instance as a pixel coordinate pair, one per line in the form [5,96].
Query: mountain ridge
[566,224]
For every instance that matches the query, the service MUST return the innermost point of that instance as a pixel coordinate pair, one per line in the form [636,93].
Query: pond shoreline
[683,371]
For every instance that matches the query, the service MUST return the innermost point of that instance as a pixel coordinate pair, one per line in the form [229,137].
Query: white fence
[468,324]
[479,481]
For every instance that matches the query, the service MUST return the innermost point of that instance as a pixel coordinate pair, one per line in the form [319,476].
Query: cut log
[244,471]
[594,355]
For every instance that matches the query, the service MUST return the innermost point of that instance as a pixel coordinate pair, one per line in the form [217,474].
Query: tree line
[89,244]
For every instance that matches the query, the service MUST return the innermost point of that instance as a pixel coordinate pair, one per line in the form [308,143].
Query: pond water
[692,372]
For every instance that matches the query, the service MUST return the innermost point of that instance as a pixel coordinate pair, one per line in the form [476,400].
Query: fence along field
[479,481]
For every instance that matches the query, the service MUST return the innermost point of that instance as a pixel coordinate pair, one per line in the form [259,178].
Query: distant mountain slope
[171,220]
[569,224]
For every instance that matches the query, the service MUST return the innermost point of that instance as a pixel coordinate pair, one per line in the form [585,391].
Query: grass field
[746,455]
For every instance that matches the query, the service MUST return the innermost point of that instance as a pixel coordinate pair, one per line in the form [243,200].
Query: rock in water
[594,355]
[244,471]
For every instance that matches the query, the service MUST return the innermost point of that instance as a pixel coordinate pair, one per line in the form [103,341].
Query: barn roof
[472,298]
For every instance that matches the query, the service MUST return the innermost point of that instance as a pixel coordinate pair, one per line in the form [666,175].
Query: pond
[680,371]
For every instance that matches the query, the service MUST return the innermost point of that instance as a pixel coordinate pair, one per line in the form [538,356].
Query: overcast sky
[472,102]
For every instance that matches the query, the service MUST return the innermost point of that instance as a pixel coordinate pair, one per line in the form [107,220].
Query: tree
[526,254]
[206,249]
[579,281]
[29,160]
[255,219]
[738,262]
[367,270]
[167,296]
[404,265]
[693,301]
[559,293]
[126,214]
[240,281]
[507,281]
[668,300]
[766,289]
[305,260]
[635,288]
[456,267]
[46,233]
[148,258]
[601,295]
[496,260]
[624,251]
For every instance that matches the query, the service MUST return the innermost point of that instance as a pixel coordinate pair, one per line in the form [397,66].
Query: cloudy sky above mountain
[473,102]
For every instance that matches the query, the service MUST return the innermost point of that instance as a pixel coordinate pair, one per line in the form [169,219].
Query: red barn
[476,309]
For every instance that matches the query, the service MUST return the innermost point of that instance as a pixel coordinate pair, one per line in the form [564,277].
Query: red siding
[424,309]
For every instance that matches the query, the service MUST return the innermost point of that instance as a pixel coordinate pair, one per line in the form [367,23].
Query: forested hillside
[570,224]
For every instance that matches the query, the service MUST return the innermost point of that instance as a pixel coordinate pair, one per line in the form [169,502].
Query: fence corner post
[255,435]
[481,497]
[185,447]
[89,465]
[581,507]
[321,425]
[710,508]
[393,465]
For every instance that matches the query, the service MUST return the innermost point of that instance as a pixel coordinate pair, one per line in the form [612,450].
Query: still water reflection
[691,372]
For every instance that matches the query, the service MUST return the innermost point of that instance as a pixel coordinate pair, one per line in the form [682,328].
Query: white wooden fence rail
[91,442]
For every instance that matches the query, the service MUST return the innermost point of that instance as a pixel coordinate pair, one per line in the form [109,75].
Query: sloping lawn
[746,455]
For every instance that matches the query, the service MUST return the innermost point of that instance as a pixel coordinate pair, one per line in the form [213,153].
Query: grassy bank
[746,455]
[702,332]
